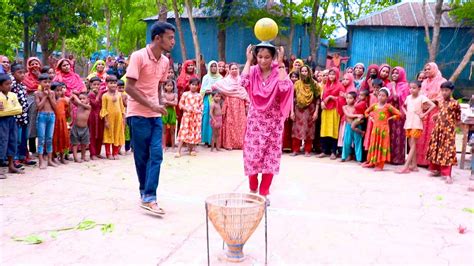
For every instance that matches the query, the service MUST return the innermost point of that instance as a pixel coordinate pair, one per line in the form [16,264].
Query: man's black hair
[377,82]
[159,28]
[44,76]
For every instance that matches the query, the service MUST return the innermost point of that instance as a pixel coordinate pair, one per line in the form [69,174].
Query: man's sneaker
[153,208]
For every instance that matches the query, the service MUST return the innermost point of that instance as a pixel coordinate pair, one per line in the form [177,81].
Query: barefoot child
[192,106]
[113,113]
[413,109]
[170,100]
[442,149]
[45,100]
[216,121]
[61,141]
[380,114]
[95,123]
[350,136]
[9,107]
[121,89]
[80,130]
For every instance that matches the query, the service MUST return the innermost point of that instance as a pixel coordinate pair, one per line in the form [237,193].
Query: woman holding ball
[271,98]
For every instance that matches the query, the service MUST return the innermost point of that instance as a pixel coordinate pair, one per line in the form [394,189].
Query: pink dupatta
[73,81]
[263,94]
[230,87]
[431,85]
[402,87]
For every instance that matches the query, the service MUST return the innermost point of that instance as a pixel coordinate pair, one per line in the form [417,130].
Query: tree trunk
[63,46]
[162,10]
[462,65]
[221,35]
[26,38]
[180,30]
[436,31]
[197,48]
[292,30]
[312,31]
[107,25]
[120,25]
[433,41]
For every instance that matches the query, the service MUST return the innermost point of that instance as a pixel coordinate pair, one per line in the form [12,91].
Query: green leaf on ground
[31,239]
[470,210]
[86,225]
[107,228]
[439,197]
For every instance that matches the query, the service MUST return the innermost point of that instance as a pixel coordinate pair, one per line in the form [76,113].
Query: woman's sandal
[403,171]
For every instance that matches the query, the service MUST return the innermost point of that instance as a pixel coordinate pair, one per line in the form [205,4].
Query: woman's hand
[323,105]
[249,53]
[315,116]
[281,54]
[292,116]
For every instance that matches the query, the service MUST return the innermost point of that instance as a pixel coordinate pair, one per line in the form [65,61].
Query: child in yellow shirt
[9,107]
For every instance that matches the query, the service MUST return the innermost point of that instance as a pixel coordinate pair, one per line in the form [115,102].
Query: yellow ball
[266,29]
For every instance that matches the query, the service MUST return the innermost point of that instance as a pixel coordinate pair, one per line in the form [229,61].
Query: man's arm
[140,98]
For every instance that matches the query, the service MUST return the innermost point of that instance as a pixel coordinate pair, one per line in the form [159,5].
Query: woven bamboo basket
[235,216]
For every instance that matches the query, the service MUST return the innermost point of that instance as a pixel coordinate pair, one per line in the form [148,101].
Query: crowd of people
[364,114]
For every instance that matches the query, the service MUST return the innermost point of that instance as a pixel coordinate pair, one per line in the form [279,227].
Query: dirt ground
[322,212]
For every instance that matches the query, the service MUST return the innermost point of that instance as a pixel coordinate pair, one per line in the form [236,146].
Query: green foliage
[469,210]
[350,10]
[463,12]
[11,29]
[395,60]
[31,239]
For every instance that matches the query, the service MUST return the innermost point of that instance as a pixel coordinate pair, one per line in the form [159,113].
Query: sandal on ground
[414,169]
[368,165]
[293,154]
[193,153]
[322,155]
[177,155]
[333,157]
[152,207]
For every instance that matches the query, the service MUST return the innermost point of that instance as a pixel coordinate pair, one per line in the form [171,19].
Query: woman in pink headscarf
[271,98]
[33,67]
[431,88]
[73,81]
[234,117]
[400,89]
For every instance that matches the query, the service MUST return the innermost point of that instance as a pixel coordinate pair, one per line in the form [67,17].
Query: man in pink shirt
[148,67]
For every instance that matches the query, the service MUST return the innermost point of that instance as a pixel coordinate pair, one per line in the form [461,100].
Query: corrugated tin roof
[407,14]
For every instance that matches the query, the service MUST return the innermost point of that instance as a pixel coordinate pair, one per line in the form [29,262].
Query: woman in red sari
[33,65]
[234,115]
[188,72]
[399,89]
[73,81]
[431,88]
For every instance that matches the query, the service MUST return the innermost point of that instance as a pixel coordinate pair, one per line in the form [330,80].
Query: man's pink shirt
[148,71]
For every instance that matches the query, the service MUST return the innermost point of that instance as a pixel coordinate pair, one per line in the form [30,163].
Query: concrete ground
[322,212]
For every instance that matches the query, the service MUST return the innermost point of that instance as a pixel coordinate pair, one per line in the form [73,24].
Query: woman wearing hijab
[188,72]
[306,111]
[64,73]
[234,114]
[372,73]
[33,67]
[431,88]
[98,70]
[330,117]
[297,64]
[400,89]
[209,79]
[359,70]
[384,74]
[271,97]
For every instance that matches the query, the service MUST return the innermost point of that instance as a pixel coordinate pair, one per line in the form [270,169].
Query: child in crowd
[192,106]
[216,121]
[18,72]
[377,84]
[413,109]
[121,89]
[61,142]
[359,124]
[350,136]
[95,123]
[80,130]
[9,107]
[113,113]
[442,149]
[170,100]
[380,114]
[45,100]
